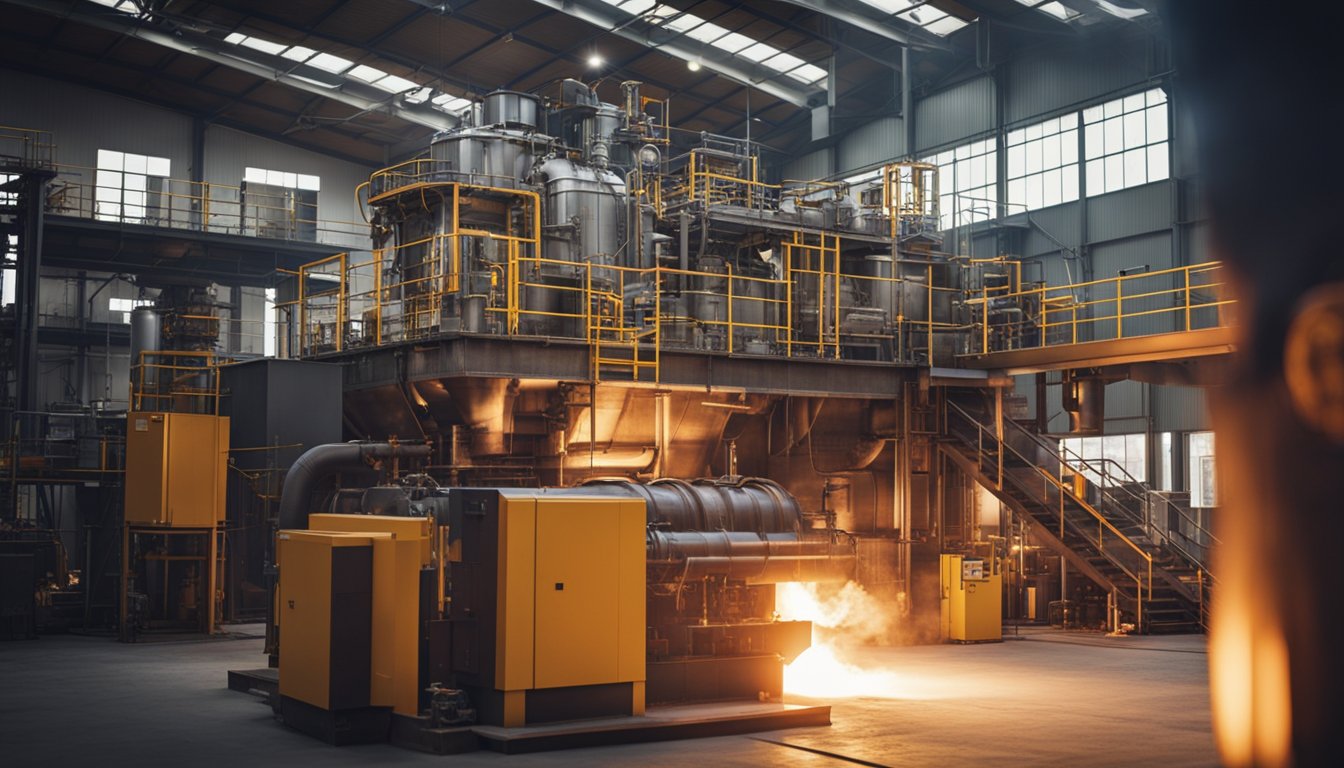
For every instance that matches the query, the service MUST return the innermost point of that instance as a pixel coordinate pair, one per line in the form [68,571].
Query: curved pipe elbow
[320,462]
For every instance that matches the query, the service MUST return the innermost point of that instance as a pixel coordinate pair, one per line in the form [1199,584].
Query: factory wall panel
[1180,409]
[1064,78]
[228,152]
[871,144]
[1126,407]
[954,115]
[814,165]
[84,120]
[1128,212]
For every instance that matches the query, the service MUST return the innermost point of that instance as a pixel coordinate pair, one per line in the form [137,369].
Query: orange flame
[828,669]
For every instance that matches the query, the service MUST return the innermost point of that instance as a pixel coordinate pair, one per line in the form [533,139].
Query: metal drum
[882,291]
[512,109]
[488,157]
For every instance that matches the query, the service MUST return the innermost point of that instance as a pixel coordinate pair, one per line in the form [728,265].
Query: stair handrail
[1125,485]
[1074,460]
[1066,491]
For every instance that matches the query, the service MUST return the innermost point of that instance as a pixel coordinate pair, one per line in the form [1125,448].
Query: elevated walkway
[1171,315]
[1162,347]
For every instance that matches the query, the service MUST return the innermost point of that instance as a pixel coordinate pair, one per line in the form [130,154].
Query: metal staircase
[1102,530]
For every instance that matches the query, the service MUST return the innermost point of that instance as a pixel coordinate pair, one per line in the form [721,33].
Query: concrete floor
[1050,699]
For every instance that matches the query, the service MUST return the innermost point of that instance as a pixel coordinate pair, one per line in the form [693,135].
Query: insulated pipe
[756,559]
[755,505]
[319,462]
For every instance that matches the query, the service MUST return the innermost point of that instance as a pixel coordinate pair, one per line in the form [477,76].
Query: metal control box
[972,600]
[176,465]
[548,609]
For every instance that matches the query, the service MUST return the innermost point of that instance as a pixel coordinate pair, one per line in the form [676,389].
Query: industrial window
[1043,164]
[1203,482]
[1125,142]
[130,187]
[1121,458]
[966,183]
[280,204]
[120,309]
[282,179]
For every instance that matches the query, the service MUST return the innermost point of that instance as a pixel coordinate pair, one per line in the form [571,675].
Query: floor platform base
[665,723]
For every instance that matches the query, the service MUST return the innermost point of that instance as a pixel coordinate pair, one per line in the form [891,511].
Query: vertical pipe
[907,104]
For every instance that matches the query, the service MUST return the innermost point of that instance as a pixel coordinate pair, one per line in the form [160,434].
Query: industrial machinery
[566,288]
[531,606]
[564,218]
[972,607]
[177,449]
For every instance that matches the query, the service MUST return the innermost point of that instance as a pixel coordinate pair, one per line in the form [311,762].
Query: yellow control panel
[972,599]
[176,465]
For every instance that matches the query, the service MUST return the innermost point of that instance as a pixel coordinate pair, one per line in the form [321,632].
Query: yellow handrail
[1056,315]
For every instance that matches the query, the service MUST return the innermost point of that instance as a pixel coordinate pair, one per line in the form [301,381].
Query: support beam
[300,77]
[725,64]
[28,269]
[872,20]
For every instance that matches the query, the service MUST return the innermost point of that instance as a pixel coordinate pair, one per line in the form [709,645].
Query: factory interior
[599,382]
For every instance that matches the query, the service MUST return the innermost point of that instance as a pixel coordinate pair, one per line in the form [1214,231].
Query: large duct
[751,504]
[321,461]
[750,557]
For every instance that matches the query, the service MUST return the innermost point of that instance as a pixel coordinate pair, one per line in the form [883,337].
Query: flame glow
[826,670]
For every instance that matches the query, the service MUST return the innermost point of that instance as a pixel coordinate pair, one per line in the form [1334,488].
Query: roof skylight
[328,62]
[122,6]
[1065,13]
[414,93]
[921,14]
[716,36]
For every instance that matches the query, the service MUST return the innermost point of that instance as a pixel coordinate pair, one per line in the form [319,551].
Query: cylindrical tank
[747,504]
[146,333]
[706,299]
[584,207]
[752,310]
[882,291]
[512,109]
[497,157]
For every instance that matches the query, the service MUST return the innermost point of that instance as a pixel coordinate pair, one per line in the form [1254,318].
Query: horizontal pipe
[759,569]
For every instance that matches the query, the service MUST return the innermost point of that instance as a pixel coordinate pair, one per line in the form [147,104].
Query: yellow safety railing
[486,274]
[910,197]
[1175,300]
[625,313]
[712,178]
[181,381]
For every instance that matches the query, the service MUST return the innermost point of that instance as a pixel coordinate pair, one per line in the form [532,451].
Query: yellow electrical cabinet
[176,465]
[326,610]
[397,559]
[972,600]
[568,606]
